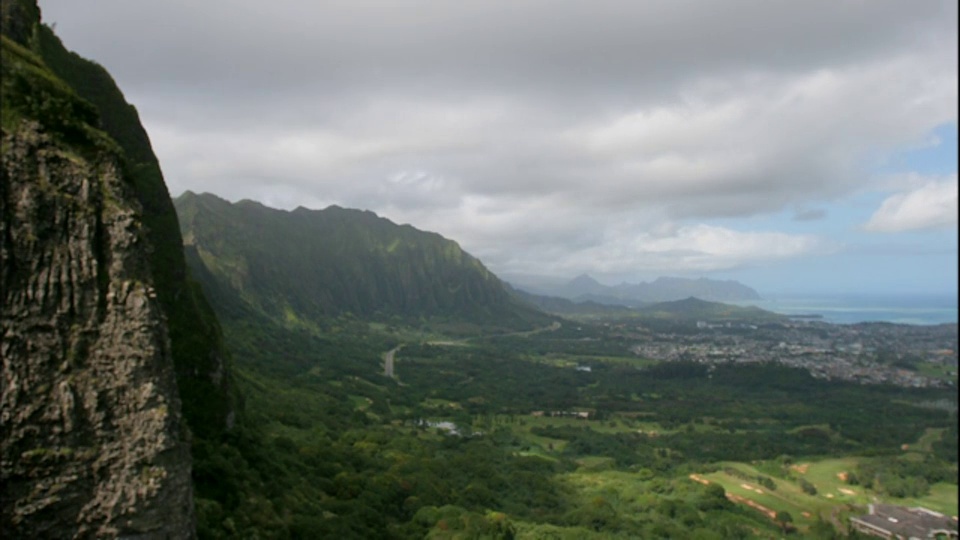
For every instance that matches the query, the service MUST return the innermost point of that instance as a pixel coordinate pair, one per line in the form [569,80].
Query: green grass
[824,474]
[593,463]
[939,371]
[788,497]
[604,426]
[360,403]
[942,498]
[930,436]
[833,494]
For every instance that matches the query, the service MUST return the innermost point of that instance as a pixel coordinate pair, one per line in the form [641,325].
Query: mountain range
[584,288]
[201,368]
[304,265]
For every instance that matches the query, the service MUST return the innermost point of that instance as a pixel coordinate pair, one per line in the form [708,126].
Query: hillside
[695,308]
[306,265]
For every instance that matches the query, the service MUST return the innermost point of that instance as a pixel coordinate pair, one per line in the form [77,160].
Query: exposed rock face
[210,399]
[90,428]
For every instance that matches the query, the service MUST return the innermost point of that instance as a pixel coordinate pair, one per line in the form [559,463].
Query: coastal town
[868,353]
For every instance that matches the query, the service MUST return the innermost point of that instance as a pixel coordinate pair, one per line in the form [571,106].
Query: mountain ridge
[306,264]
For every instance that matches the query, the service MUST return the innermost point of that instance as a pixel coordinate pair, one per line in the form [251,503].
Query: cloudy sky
[795,146]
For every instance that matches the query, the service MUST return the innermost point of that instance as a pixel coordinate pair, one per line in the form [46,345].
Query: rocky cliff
[203,374]
[92,442]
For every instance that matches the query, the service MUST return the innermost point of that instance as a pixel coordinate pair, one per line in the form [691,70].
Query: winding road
[388,361]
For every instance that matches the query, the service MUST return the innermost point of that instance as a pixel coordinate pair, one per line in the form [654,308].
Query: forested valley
[511,436]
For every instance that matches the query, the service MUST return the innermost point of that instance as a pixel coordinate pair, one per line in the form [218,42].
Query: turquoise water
[848,309]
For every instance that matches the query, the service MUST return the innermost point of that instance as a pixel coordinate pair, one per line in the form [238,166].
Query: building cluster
[898,522]
[871,353]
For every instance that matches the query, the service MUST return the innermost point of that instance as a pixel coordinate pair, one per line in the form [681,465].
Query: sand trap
[801,467]
[842,475]
[698,478]
[847,491]
[829,495]
[743,500]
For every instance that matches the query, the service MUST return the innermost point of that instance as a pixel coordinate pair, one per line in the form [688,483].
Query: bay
[850,309]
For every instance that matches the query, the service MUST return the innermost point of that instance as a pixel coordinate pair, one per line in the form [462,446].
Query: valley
[567,433]
[681,419]
[200,368]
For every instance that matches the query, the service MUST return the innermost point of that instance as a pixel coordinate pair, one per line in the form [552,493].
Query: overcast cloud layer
[619,138]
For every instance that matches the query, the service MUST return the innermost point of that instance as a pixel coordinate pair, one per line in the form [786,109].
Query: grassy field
[827,476]
[788,497]
[925,444]
[942,498]
[937,370]
[834,496]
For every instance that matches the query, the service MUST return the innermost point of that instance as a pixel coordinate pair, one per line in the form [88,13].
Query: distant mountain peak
[584,279]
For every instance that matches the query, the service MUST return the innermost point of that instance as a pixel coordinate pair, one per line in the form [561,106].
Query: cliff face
[203,374]
[92,443]
[91,437]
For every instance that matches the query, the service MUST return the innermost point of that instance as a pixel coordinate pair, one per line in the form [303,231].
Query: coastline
[853,309]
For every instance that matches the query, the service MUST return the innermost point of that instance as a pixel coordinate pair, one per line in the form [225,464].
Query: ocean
[849,309]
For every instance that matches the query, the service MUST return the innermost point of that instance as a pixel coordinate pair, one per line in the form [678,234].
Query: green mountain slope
[694,308]
[307,265]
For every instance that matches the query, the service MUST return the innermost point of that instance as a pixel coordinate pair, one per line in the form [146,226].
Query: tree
[784,519]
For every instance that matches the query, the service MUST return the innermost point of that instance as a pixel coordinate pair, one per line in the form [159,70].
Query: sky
[793,146]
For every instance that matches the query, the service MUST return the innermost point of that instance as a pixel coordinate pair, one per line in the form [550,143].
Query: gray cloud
[813,214]
[539,134]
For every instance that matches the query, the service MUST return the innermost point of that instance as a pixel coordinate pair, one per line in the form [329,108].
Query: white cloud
[930,206]
[539,135]
[694,248]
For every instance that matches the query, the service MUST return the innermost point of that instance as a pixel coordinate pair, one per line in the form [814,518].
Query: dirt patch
[843,475]
[801,467]
[904,447]
[752,504]
[698,478]
[807,515]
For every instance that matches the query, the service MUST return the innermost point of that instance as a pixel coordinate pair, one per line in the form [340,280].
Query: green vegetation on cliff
[482,430]
[306,265]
